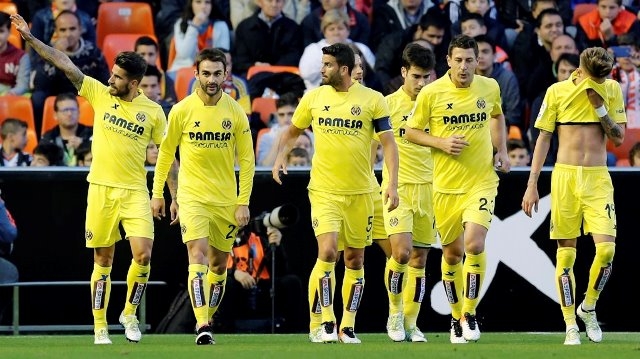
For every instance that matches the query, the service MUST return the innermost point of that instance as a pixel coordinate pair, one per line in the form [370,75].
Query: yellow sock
[413,294]
[315,309]
[137,278]
[394,281]
[216,291]
[197,282]
[566,283]
[325,282]
[452,281]
[100,292]
[352,290]
[475,266]
[599,273]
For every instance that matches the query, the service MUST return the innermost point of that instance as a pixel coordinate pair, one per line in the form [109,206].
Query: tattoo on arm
[172,181]
[611,128]
[533,177]
[60,60]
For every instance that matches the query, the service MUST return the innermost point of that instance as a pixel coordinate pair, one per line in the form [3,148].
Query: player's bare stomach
[582,145]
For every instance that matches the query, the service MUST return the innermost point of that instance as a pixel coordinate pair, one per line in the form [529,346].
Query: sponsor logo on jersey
[210,136]
[464,118]
[340,122]
[123,124]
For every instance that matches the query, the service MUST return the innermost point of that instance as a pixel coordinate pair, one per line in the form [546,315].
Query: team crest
[481,103]
[226,124]
[356,110]
[314,223]
[183,229]
[88,235]
[393,221]
[141,117]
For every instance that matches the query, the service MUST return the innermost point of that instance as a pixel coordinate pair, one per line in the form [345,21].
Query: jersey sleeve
[548,114]
[381,122]
[167,152]
[616,109]
[161,125]
[496,100]
[91,89]
[246,158]
[302,116]
[421,113]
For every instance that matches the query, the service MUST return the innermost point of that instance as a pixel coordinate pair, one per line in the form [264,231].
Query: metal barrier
[15,327]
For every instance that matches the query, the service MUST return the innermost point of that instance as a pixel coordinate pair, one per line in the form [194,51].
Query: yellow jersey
[343,126]
[446,110]
[121,132]
[416,163]
[209,137]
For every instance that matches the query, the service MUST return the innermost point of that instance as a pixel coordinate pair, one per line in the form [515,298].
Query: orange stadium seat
[265,106]
[272,68]
[172,53]
[123,17]
[631,136]
[184,79]
[581,9]
[49,121]
[20,107]
[14,36]
[113,44]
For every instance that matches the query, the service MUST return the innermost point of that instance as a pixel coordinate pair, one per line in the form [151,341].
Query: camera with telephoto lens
[280,217]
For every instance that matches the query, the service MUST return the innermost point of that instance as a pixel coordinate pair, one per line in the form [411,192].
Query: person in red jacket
[603,25]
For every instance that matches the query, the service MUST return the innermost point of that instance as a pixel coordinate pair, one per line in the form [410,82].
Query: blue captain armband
[381,124]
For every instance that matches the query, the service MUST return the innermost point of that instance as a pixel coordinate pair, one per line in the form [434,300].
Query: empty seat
[123,18]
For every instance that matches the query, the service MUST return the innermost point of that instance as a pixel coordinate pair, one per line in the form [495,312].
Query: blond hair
[332,17]
[597,61]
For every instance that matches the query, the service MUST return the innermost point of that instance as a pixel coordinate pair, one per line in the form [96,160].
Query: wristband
[601,111]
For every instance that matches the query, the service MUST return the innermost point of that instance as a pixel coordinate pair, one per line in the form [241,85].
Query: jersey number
[483,205]
[369,224]
[231,229]
[610,208]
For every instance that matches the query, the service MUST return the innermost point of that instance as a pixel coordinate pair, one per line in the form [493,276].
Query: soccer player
[586,110]
[411,226]
[125,122]
[211,128]
[344,115]
[466,131]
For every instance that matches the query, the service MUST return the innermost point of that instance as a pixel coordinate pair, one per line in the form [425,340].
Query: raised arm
[55,57]
[614,131]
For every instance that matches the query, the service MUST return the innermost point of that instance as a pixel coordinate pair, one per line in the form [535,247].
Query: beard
[116,92]
[210,90]
[331,80]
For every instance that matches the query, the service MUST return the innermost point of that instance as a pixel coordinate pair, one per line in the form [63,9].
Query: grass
[255,346]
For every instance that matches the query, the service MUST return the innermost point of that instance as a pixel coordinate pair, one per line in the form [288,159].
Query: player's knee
[606,252]
[328,254]
[143,258]
[402,256]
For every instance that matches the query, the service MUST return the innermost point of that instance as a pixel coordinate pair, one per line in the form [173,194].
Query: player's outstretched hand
[21,25]
[157,208]
[530,200]
[279,165]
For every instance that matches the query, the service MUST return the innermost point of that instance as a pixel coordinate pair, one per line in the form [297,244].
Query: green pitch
[491,346]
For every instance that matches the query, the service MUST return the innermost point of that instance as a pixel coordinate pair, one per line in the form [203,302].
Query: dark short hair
[213,55]
[52,152]
[431,20]
[153,71]
[11,125]
[486,39]
[632,153]
[83,150]
[287,99]
[513,144]
[418,56]
[64,97]
[133,63]
[573,59]
[473,16]
[5,20]
[544,13]
[145,41]
[463,42]
[342,53]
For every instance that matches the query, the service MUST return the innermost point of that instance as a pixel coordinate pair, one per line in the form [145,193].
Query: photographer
[248,295]
[8,271]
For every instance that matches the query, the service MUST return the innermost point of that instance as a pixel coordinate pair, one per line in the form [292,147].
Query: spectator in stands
[267,148]
[431,29]
[170,11]
[50,81]
[298,157]
[626,73]
[148,48]
[563,68]
[8,270]
[473,25]
[518,153]
[69,134]
[43,26]
[202,25]
[47,154]
[495,30]
[335,28]
[359,30]
[509,89]
[529,50]
[84,157]
[395,15]
[602,26]
[152,154]
[236,86]
[150,86]
[268,37]
[518,14]
[543,74]
[13,133]
[634,155]
[15,65]
[296,10]
[247,295]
